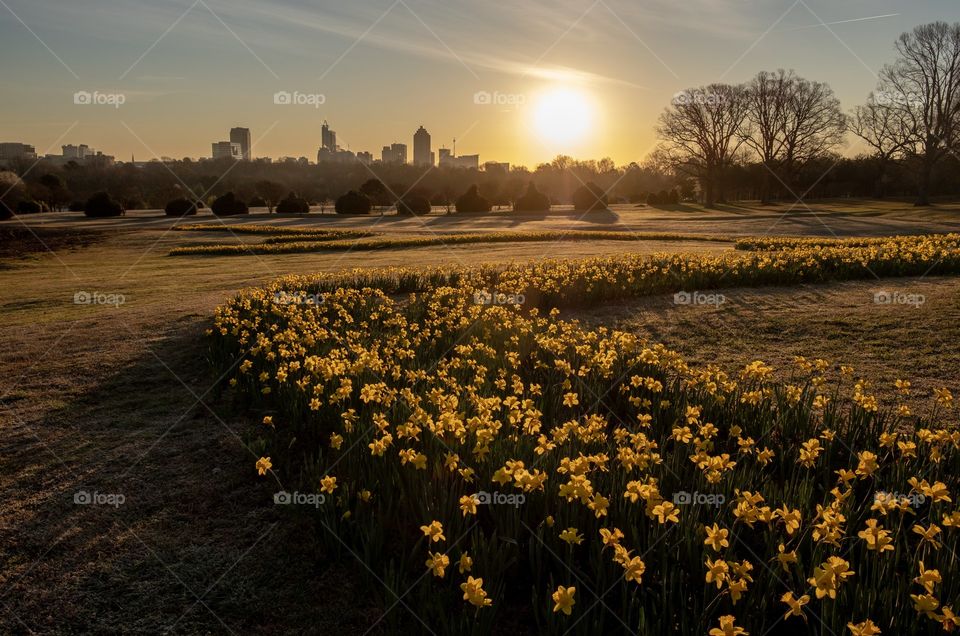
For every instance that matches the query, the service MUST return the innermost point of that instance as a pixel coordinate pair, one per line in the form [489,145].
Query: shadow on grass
[182,515]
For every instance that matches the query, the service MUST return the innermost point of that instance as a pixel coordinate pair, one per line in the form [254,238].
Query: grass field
[123,399]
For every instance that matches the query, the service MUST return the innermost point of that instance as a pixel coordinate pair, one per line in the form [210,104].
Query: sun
[562,115]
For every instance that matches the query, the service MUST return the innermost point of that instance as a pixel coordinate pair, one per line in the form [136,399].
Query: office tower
[328,138]
[241,136]
[229,149]
[421,148]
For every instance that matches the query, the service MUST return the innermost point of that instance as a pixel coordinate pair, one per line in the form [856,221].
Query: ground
[120,400]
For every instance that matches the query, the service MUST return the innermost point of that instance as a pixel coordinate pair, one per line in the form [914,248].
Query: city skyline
[371,65]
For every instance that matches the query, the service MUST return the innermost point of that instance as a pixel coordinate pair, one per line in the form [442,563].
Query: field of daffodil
[496,465]
[290,242]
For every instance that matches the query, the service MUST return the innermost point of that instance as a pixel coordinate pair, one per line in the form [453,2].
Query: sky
[511,81]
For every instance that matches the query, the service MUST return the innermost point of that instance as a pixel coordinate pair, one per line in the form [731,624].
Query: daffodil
[563,599]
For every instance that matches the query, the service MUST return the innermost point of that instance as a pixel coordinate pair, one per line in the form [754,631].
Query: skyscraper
[394,153]
[328,138]
[241,136]
[222,149]
[421,148]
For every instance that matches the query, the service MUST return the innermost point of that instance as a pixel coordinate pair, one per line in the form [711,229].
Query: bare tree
[885,131]
[790,121]
[922,88]
[700,129]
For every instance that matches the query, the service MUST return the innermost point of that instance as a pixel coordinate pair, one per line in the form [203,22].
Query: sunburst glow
[563,115]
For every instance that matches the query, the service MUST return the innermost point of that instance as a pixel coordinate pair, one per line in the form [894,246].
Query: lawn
[124,399]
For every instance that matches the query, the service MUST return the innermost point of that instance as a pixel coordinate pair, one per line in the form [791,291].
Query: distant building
[328,138]
[449,160]
[82,154]
[336,156]
[496,167]
[11,150]
[365,157]
[394,153]
[226,149]
[242,136]
[421,148]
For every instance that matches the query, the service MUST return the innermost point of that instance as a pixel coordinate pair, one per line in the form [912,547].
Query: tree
[293,204]
[532,201]
[229,205]
[887,134]
[701,129]
[102,205]
[790,121]
[353,203]
[922,88]
[180,207]
[590,197]
[271,191]
[471,201]
[376,191]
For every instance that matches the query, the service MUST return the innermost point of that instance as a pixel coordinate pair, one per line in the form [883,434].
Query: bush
[293,205]
[471,201]
[590,197]
[413,204]
[5,212]
[229,205]
[353,202]
[181,207]
[100,205]
[258,202]
[532,201]
[29,207]
[77,206]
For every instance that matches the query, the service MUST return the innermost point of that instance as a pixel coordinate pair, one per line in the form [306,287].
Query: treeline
[776,137]
[779,133]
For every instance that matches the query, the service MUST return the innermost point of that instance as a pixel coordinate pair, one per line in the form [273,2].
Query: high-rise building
[328,138]
[364,157]
[394,153]
[449,160]
[11,150]
[421,148]
[222,149]
[241,136]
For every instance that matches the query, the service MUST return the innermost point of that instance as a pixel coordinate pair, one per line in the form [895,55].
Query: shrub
[293,204]
[229,205]
[590,197]
[5,211]
[532,200]
[413,204]
[181,207]
[77,206]
[101,205]
[28,206]
[471,201]
[353,202]
[258,202]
